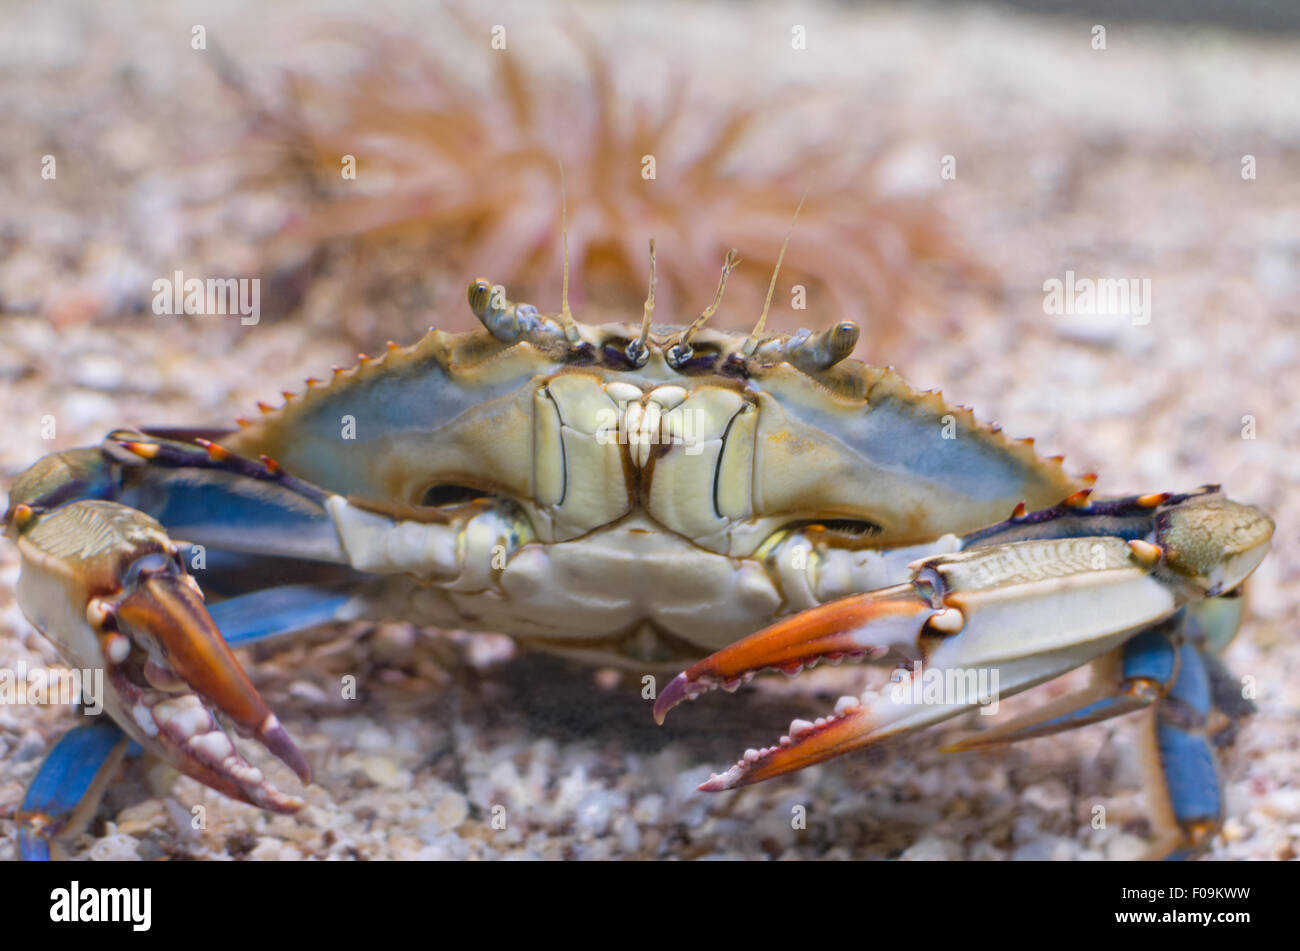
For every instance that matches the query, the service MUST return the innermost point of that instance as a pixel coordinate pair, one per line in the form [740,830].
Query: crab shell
[650,513]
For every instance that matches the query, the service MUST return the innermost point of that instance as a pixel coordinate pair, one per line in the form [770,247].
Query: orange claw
[169,607]
[858,627]
[828,737]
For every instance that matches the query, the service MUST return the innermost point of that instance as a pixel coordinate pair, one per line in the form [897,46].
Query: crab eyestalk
[103,582]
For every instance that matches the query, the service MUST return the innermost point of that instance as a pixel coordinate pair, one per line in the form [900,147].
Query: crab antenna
[685,343]
[752,343]
[566,316]
[637,351]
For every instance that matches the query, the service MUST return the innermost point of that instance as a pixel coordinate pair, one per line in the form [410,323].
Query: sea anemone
[457,179]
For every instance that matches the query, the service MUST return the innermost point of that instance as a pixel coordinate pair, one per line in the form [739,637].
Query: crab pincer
[168,671]
[988,622]
[859,628]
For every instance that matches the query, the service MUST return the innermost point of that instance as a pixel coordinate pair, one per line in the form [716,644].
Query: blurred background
[956,157]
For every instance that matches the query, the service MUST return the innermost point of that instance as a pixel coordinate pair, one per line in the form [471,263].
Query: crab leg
[103,580]
[992,621]
[69,785]
[107,584]
[1183,778]
[1008,617]
[1148,666]
[275,611]
[72,779]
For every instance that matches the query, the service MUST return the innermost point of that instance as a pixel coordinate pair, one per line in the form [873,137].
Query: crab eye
[154,563]
[444,494]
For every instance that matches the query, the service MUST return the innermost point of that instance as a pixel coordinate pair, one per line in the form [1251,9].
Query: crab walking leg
[1183,782]
[69,785]
[272,612]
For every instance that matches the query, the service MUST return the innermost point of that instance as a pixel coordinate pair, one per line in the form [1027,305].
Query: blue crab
[644,496]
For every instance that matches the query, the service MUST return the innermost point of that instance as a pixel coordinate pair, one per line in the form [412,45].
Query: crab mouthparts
[174,672]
